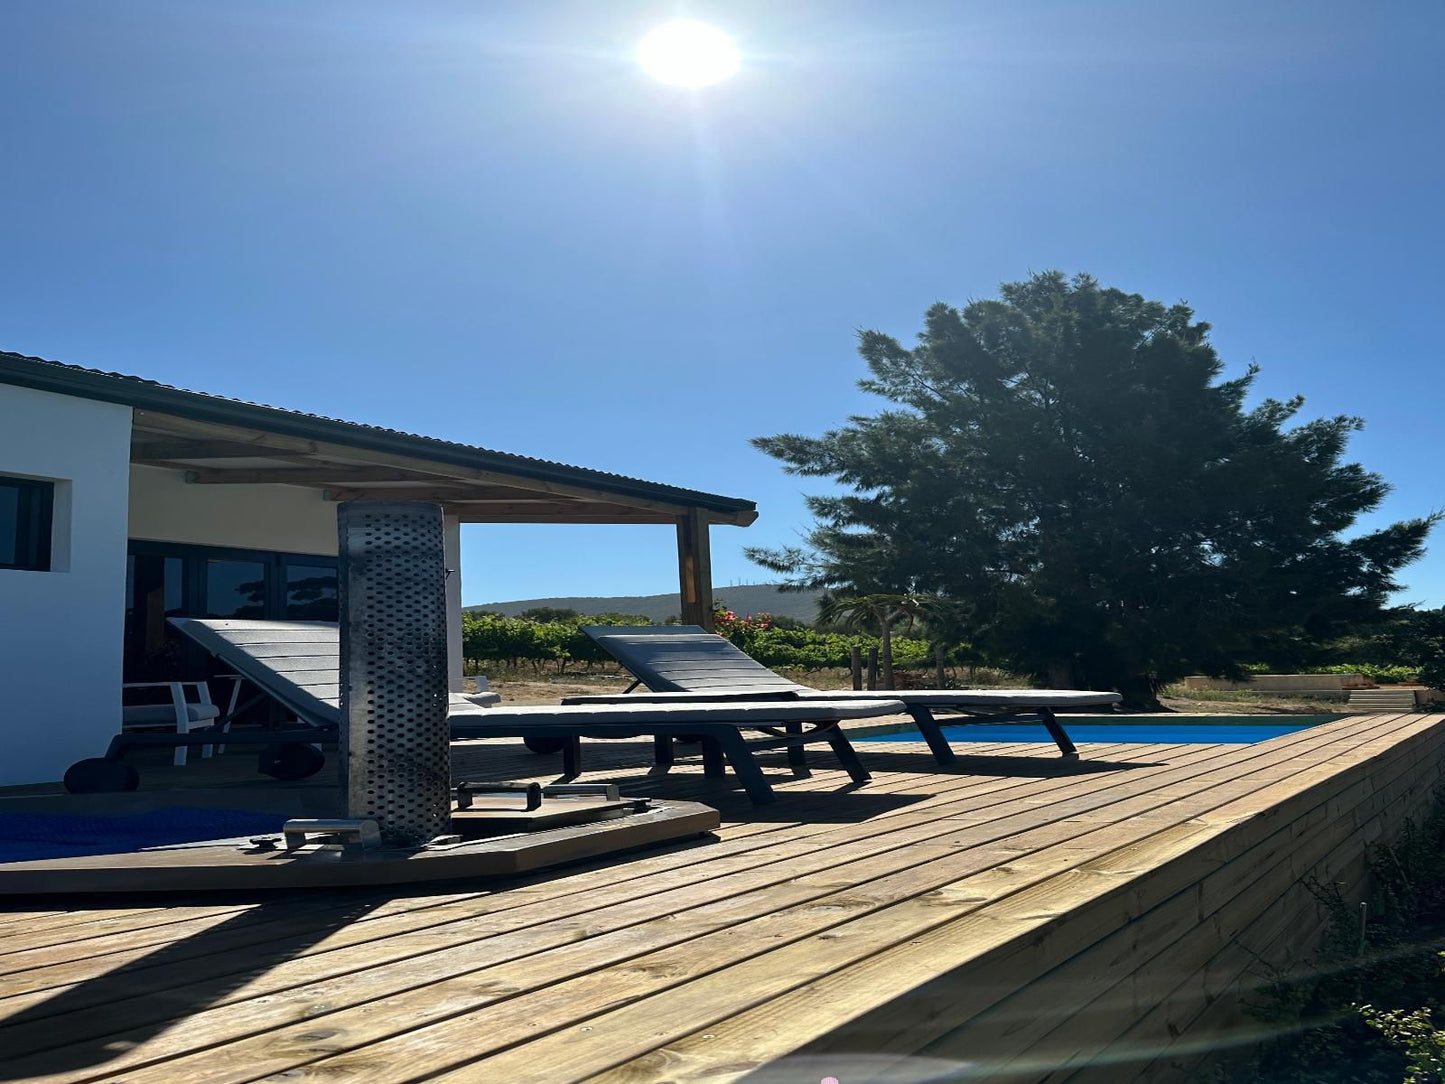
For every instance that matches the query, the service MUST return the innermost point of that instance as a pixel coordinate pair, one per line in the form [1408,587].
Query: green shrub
[1370,1009]
[1381,675]
[1415,1036]
[807,649]
[515,642]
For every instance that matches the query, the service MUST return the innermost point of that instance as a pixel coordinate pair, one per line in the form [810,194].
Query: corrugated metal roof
[54,376]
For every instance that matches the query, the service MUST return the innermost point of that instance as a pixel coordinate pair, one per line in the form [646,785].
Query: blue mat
[26,837]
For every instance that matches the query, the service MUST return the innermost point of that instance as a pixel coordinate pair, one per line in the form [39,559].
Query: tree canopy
[1067,464]
[549,613]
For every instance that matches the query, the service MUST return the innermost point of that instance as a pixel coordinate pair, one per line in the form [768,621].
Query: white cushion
[483,699]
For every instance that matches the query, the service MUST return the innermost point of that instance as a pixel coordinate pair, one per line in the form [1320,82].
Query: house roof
[150,395]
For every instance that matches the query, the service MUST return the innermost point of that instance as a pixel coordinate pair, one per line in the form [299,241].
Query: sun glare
[688,54]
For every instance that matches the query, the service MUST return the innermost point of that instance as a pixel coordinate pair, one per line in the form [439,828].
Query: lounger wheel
[97,775]
[545,745]
[290,760]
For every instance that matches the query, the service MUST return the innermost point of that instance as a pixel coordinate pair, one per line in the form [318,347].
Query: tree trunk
[1060,675]
[887,654]
[1140,693]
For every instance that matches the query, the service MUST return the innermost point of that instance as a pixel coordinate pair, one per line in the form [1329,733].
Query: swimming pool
[1185,729]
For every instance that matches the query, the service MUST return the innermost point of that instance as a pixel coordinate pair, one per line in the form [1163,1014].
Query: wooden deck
[1009,918]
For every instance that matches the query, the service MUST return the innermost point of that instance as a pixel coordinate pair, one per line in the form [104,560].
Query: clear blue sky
[480,221]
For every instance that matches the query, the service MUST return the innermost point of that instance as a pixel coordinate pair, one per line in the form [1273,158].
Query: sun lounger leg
[1066,746]
[746,768]
[932,733]
[662,751]
[572,758]
[713,762]
[797,755]
[847,756]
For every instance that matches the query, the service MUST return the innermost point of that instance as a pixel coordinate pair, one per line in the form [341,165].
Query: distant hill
[752,598]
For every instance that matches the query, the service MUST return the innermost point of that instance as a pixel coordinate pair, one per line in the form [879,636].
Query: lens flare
[688,54]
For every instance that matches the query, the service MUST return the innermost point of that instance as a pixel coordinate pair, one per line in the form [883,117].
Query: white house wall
[286,519]
[61,631]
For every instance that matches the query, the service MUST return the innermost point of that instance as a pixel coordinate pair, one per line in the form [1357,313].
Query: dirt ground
[1264,705]
[551,691]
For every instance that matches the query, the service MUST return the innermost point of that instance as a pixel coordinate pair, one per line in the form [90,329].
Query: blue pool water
[27,837]
[1186,730]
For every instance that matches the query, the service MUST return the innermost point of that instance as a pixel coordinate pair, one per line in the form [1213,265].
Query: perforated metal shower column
[394,668]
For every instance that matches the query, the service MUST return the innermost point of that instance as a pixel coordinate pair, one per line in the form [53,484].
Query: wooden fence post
[872,668]
[938,665]
[855,664]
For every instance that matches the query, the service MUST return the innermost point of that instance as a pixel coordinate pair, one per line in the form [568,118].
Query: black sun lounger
[685,663]
[298,663]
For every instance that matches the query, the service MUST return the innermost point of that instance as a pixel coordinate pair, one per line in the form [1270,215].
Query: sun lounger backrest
[296,662]
[686,659]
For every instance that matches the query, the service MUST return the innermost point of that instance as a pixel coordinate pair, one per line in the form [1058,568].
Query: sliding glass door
[170,580]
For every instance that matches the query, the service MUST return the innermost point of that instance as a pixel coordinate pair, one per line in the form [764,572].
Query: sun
[688,54]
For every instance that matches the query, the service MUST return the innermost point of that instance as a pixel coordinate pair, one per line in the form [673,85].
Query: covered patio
[175,503]
[239,445]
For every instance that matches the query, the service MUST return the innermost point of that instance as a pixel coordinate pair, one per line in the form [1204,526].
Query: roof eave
[41,375]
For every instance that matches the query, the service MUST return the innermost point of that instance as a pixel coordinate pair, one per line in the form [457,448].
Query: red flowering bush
[734,627]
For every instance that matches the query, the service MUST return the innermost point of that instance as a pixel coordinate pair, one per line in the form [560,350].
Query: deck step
[1383,699]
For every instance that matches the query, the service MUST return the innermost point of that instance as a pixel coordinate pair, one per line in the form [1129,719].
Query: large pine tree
[1067,464]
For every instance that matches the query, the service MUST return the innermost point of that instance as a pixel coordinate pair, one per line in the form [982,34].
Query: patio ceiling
[215,454]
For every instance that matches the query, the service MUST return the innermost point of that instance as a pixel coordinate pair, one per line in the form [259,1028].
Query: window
[166,579]
[310,592]
[26,512]
[154,590]
[236,588]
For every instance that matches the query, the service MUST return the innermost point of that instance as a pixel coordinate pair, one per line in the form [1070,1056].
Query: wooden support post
[938,666]
[855,663]
[694,568]
[872,668]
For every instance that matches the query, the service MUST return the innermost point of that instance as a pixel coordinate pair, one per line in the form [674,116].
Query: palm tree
[882,612]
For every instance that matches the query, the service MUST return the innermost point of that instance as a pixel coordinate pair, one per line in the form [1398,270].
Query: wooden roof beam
[164,450]
[540,512]
[311,476]
[458,491]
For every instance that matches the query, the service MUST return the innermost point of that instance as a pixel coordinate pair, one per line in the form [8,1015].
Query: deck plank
[835,836]
[688,956]
[122,947]
[925,935]
[931,792]
[685,866]
[682,964]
